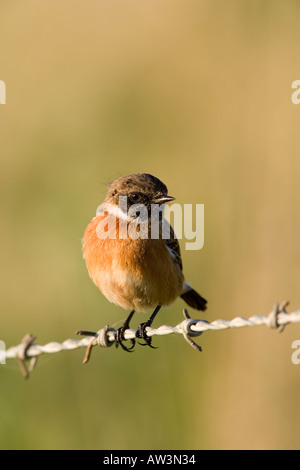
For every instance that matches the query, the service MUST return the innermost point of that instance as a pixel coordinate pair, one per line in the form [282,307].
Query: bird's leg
[120,334]
[141,331]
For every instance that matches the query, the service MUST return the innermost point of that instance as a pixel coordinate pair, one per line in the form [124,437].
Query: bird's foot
[120,338]
[141,333]
[120,335]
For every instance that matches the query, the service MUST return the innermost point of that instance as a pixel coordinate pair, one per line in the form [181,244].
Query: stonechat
[139,272]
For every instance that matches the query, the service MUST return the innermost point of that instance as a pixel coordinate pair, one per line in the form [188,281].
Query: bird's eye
[133,197]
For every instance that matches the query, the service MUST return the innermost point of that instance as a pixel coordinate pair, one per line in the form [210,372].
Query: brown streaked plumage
[137,274]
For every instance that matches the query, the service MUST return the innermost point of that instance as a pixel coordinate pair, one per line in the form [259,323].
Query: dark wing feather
[173,246]
[190,296]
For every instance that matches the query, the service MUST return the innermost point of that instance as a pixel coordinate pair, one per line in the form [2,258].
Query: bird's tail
[193,299]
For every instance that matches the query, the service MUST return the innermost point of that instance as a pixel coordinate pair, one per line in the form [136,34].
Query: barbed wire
[27,350]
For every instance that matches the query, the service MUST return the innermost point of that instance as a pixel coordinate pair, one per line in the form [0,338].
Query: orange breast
[135,274]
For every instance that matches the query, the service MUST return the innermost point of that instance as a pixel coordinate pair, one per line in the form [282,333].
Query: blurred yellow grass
[197,93]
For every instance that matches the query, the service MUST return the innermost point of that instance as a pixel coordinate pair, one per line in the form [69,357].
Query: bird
[139,273]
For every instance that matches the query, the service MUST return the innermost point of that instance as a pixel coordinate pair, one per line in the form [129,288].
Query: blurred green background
[198,93]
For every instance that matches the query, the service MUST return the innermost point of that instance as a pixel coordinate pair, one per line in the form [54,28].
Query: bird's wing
[173,246]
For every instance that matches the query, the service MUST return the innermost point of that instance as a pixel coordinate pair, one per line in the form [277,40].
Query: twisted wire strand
[28,350]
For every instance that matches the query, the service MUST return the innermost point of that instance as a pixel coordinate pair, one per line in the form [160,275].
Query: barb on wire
[29,351]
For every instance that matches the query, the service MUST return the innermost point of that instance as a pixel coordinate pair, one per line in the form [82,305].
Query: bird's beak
[163,199]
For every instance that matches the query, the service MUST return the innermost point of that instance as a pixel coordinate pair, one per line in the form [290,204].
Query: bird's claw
[120,338]
[141,333]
